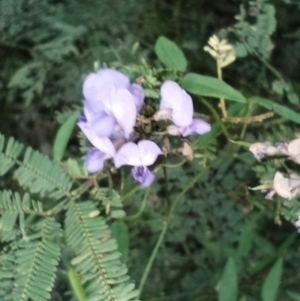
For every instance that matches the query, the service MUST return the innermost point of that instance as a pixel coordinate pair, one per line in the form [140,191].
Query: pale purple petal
[198,126]
[114,77]
[148,152]
[103,126]
[124,110]
[138,94]
[167,90]
[105,145]
[143,175]
[85,128]
[175,98]
[91,85]
[88,111]
[102,143]
[96,91]
[118,142]
[128,154]
[94,160]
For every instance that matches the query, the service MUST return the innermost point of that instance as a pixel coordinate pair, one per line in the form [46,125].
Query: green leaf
[272,282]
[245,242]
[170,54]
[228,282]
[76,285]
[63,136]
[119,231]
[284,247]
[278,109]
[210,86]
[293,295]
[264,244]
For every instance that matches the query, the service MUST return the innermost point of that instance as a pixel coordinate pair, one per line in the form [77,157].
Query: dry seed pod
[166,146]
[187,151]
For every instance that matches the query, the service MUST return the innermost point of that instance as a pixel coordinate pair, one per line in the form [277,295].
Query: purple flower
[143,175]
[139,156]
[97,129]
[110,111]
[94,160]
[198,126]
[177,105]
[97,86]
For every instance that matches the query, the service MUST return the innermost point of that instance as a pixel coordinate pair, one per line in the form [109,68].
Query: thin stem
[245,125]
[130,193]
[172,165]
[15,46]
[152,257]
[222,104]
[265,62]
[131,217]
[216,115]
[166,224]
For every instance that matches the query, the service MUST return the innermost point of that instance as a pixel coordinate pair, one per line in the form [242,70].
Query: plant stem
[130,192]
[245,125]
[153,255]
[265,62]
[131,217]
[166,224]
[216,115]
[222,104]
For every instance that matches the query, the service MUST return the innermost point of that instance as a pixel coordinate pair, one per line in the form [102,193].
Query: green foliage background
[47,48]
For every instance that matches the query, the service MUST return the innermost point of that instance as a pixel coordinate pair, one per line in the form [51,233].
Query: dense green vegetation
[202,231]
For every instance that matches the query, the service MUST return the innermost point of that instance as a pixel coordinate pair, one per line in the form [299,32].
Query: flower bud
[162,115]
[261,150]
[294,150]
[286,187]
[173,130]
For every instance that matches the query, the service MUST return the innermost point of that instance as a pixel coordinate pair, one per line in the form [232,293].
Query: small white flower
[286,187]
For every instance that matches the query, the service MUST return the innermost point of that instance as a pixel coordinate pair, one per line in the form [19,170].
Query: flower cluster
[286,187]
[111,107]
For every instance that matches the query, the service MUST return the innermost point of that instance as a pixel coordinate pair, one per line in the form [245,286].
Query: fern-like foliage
[111,201]
[12,207]
[28,270]
[97,259]
[256,24]
[14,203]
[36,171]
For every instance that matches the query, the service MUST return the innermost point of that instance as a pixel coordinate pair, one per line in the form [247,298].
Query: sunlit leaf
[210,86]
[76,285]
[271,284]
[63,136]
[229,282]
[170,54]
[119,231]
[278,109]
[293,295]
